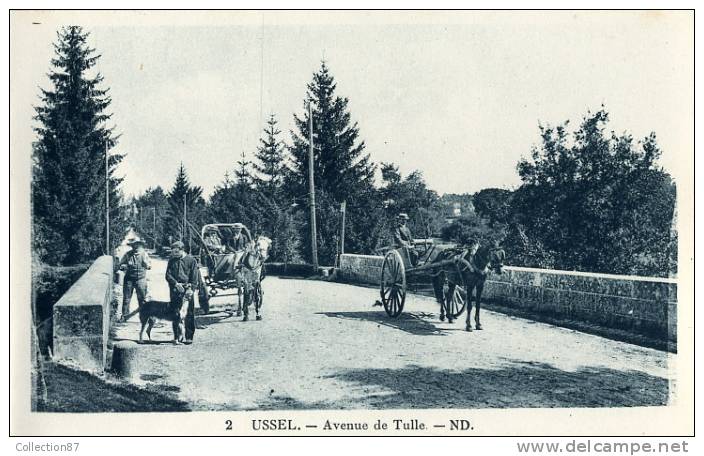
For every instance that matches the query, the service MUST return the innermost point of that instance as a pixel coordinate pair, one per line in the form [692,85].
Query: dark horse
[473,264]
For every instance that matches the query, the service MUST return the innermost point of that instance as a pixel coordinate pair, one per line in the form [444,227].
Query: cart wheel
[455,294]
[393,284]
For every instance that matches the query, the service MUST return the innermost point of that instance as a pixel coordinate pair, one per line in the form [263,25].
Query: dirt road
[322,345]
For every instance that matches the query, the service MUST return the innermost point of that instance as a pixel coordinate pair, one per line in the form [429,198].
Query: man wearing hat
[183,277]
[239,240]
[403,237]
[135,264]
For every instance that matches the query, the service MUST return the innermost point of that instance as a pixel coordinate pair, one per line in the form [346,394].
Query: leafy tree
[68,182]
[598,203]
[472,227]
[522,250]
[412,196]
[494,204]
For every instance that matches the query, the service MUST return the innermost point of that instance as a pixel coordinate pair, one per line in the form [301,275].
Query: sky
[458,96]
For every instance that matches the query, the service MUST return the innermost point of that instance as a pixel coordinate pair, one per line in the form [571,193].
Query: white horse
[250,270]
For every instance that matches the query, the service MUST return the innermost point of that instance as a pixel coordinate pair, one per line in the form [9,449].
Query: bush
[472,227]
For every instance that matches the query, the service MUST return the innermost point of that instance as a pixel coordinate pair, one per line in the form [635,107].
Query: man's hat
[177,245]
[403,215]
[134,241]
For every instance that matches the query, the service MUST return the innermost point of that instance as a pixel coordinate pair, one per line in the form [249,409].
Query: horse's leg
[448,300]
[437,288]
[240,290]
[247,298]
[258,300]
[480,288]
[470,288]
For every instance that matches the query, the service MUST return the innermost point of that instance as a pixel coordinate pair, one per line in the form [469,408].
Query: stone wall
[641,305]
[82,318]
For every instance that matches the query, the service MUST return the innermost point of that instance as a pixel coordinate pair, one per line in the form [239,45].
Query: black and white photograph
[351,222]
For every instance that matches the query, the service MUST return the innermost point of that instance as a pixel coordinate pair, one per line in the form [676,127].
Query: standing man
[403,237]
[135,264]
[183,277]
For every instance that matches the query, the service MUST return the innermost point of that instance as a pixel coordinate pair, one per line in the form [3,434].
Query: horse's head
[486,257]
[496,259]
[261,246]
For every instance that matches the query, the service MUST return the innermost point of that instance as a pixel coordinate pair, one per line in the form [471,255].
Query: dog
[151,311]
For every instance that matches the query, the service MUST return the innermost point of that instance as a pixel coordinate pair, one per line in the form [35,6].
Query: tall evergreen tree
[183,193]
[272,160]
[68,183]
[243,176]
[342,170]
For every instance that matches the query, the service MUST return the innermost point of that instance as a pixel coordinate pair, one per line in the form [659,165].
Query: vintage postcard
[361,223]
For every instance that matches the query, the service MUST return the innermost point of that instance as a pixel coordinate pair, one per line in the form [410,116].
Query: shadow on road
[415,323]
[519,385]
[203,321]
[73,391]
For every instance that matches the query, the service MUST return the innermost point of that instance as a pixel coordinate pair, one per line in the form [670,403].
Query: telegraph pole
[343,209]
[183,228]
[107,201]
[154,231]
[311,188]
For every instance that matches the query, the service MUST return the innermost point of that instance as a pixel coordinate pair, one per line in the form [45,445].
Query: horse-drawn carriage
[234,261]
[455,273]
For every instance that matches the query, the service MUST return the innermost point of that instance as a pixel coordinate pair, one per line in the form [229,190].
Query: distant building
[457,206]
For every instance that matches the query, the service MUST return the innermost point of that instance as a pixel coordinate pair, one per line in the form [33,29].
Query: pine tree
[271,166]
[68,183]
[243,177]
[342,171]
[341,168]
[183,193]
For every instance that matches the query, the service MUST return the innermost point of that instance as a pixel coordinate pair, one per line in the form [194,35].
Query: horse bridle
[252,252]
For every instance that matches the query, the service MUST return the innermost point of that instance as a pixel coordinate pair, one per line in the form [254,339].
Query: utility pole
[311,187]
[154,231]
[107,201]
[343,209]
[183,227]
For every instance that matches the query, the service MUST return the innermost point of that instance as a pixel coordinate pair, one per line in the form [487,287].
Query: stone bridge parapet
[82,318]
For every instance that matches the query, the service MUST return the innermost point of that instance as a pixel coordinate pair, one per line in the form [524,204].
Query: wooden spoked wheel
[455,292]
[393,284]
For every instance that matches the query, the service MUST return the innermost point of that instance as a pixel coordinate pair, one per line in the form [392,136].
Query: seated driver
[403,237]
[239,239]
